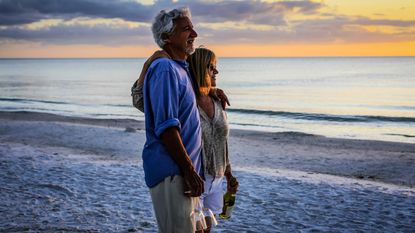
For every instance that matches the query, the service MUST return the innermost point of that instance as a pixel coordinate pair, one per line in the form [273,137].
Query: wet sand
[69,174]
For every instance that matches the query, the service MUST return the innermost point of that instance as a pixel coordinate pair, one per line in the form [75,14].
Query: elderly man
[172,152]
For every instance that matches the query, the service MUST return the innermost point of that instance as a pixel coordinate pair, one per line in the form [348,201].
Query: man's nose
[193,33]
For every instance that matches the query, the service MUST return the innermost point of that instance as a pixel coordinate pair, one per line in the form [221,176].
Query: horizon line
[338,56]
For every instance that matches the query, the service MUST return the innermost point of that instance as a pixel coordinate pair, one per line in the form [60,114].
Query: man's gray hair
[163,23]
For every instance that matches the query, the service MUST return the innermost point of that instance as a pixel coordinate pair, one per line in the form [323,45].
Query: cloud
[101,33]
[225,22]
[15,12]
[384,22]
[250,11]
[340,29]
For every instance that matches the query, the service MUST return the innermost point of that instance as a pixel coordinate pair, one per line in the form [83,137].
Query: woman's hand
[232,184]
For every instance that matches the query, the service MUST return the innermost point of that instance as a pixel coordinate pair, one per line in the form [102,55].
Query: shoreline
[50,117]
[379,161]
[140,125]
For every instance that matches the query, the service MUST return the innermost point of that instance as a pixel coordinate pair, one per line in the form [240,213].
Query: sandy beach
[69,174]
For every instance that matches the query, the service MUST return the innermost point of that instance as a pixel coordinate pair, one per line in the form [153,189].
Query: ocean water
[344,97]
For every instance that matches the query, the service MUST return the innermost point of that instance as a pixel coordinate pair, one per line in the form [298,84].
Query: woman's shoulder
[217,102]
[218,106]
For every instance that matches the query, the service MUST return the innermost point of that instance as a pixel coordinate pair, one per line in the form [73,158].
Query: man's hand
[219,94]
[193,184]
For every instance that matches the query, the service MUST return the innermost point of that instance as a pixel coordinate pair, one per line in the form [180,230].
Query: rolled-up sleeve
[164,97]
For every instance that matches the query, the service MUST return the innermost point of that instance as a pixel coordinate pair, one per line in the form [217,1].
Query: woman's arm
[156,55]
[137,89]
[232,182]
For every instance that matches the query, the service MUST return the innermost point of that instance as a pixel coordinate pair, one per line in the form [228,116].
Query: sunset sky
[245,28]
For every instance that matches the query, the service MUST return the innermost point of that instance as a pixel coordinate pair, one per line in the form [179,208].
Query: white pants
[212,197]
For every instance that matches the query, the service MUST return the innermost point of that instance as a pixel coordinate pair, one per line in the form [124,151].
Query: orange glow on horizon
[316,50]
[237,50]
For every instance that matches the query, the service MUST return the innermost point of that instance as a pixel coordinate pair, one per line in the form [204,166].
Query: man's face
[182,38]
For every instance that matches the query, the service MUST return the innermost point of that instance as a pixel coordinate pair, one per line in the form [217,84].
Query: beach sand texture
[67,174]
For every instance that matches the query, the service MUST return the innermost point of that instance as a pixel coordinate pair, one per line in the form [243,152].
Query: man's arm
[193,184]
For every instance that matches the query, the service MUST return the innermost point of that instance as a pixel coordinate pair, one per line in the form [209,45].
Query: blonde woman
[215,131]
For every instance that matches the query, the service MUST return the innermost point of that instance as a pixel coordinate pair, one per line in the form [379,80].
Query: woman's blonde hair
[199,63]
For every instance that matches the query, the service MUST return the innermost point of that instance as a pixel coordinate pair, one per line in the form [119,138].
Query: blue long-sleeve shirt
[169,101]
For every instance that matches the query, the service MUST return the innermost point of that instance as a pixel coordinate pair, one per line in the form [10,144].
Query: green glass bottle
[228,204]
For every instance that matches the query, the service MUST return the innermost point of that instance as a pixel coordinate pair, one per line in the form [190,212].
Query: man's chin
[190,51]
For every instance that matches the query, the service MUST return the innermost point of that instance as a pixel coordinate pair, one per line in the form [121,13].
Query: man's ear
[165,37]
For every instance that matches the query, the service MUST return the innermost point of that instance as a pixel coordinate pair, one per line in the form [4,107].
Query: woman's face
[212,72]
